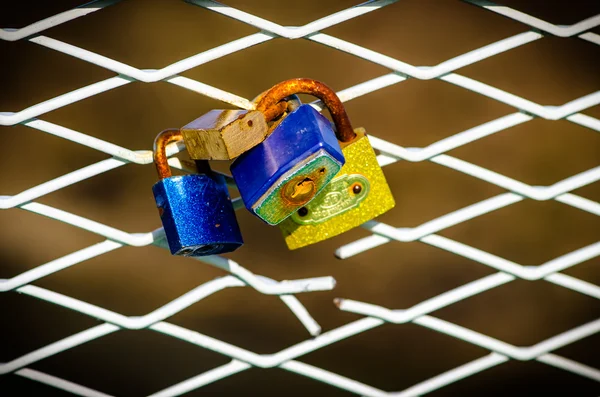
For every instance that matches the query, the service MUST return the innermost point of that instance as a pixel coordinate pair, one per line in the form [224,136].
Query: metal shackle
[160,150]
[269,103]
[160,154]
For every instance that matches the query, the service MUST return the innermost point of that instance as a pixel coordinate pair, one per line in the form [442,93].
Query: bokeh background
[135,281]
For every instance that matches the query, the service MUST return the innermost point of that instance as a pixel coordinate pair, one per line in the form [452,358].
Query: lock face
[197,215]
[289,168]
[224,134]
[356,195]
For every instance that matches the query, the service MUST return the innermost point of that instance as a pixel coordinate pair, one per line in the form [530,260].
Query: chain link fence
[373,316]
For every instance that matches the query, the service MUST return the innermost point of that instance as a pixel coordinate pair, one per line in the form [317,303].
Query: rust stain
[298,191]
[271,98]
[160,150]
[301,189]
[276,110]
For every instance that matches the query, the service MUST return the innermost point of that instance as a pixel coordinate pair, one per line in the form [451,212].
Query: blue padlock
[195,209]
[286,170]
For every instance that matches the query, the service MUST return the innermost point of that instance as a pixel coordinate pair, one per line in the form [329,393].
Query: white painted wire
[374,315]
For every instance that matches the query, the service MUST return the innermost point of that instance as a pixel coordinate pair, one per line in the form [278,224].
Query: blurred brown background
[135,281]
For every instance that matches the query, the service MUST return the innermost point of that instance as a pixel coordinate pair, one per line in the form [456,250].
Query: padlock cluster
[291,167]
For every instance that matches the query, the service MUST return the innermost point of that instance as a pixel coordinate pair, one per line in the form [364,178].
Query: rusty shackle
[160,150]
[268,103]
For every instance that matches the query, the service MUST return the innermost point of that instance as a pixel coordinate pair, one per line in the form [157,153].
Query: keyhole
[303,187]
[299,191]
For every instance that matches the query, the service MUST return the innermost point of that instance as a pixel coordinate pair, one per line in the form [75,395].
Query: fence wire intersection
[372,315]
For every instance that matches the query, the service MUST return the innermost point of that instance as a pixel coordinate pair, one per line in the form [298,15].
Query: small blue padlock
[296,161]
[195,209]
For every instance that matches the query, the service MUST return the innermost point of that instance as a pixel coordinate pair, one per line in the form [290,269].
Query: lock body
[290,167]
[224,134]
[356,195]
[197,215]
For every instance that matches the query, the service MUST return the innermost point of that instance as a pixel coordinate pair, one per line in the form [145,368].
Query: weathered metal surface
[160,151]
[224,134]
[316,88]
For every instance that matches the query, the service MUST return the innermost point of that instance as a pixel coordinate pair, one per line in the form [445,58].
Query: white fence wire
[374,316]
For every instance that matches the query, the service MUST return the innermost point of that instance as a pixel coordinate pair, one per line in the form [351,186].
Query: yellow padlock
[357,194]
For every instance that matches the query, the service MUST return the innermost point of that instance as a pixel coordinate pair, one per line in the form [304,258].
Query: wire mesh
[374,315]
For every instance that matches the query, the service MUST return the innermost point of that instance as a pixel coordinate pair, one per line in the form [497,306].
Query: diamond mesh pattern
[374,316]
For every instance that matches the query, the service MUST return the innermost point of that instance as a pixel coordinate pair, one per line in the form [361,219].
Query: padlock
[356,195]
[299,157]
[195,209]
[224,134]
